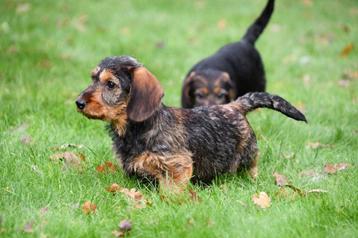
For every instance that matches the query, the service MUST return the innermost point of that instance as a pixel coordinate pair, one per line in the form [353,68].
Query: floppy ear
[232,91]
[145,95]
[187,101]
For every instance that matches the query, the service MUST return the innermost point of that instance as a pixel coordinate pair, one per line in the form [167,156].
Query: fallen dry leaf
[314,175]
[124,227]
[26,139]
[347,50]
[280,180]
[307,3]
[132,193]
[88,207]
[114,188]
[71,159]
[344,83]
[350,75]
[306,80]
[43,211]
[333,168]
[136,196]
[262,200]
[345,28]
[117,233]
[160,45]
[111,166]
[100,168]
[23,8]
[28,227]
[317,145]
[221,24]
[80,23]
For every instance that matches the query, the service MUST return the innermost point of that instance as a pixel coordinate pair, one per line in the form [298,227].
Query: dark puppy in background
[234,70]
[169,145]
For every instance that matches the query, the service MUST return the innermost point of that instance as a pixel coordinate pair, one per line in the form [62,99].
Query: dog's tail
[260,23]
[251,101]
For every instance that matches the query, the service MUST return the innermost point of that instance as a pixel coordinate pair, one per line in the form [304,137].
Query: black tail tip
[301,117]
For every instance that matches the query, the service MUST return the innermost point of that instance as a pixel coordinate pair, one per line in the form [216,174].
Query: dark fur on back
[240,60]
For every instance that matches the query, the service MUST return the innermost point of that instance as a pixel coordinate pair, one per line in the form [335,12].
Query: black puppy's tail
[251,101]
[259,25]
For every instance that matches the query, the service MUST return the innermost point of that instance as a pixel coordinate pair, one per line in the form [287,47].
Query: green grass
[47,53]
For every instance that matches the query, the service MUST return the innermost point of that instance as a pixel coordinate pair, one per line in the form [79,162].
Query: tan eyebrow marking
[106,75]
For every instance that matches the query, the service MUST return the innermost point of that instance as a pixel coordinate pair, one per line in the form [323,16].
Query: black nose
[80,104]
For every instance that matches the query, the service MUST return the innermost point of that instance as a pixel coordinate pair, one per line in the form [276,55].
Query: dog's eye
[222,95]
[110,84]
[199,95]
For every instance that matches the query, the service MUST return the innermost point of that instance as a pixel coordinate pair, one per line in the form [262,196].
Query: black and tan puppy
[172,146]
[234,70]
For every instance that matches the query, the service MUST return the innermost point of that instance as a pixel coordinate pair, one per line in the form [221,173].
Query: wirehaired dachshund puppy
[170,145]
[232,71]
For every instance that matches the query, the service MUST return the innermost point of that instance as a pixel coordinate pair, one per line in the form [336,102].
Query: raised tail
[251,101]
[260,23]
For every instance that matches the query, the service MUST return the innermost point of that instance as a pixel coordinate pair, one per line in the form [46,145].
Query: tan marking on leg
[173,171]
[253,171]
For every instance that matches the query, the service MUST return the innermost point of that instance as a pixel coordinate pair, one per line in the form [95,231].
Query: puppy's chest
[155,140]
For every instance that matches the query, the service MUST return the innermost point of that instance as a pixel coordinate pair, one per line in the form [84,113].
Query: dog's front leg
[172,171]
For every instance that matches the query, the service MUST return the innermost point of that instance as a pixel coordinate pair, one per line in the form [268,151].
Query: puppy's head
[121,89]
[207,87]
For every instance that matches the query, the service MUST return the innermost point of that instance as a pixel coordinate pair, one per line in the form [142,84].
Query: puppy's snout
[80,103]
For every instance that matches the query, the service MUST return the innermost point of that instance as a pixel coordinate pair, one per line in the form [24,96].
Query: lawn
[48,49]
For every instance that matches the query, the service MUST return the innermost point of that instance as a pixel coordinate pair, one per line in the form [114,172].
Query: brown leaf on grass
[344,83]
[132,193]
[26,139]
[43,211]
[317,145]
[108,166]
[306,80]
[12,49]
[307,3]
[347,50]
[350,75]
[71,159]
[112,167]
[345,28]
[160,45]
[334,168]
[100,168]
[114,188]
[23,8]
[308,173]
[262,200]
[88,207]
[136,196]
[124,227]
[280,180]
[79,23]
[221,24]
[28,227]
